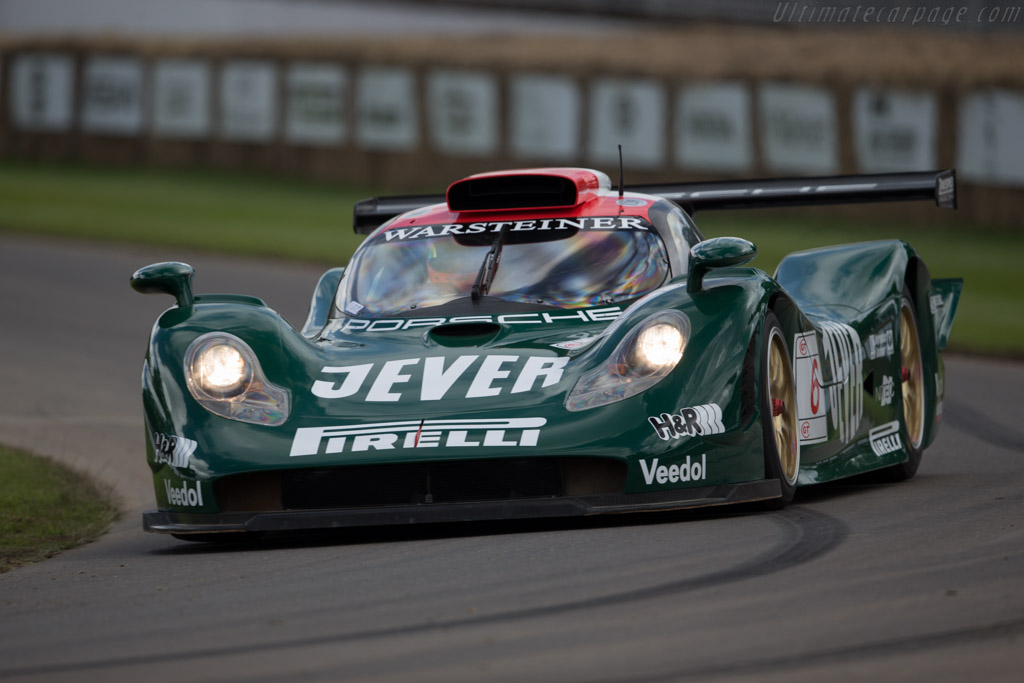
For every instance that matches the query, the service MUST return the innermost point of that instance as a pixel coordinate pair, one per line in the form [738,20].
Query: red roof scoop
[528,188]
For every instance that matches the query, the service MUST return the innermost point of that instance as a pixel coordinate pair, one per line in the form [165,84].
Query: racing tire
[778,413]
[912,394]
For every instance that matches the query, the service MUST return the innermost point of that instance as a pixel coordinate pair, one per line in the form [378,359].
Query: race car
[537,343]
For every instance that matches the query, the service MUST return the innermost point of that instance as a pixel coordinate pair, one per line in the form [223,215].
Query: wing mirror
[719,252]
[172,278]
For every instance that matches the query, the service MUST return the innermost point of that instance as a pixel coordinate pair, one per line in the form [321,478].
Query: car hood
[418,368]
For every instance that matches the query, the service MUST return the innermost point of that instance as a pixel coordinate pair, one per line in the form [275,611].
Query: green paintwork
[718,252]
[821,297]
[166,278]
[943,302]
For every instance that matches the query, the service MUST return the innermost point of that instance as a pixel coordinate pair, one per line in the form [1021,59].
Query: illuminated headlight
[224,377]
[660,345]
[642,359]
[221,370]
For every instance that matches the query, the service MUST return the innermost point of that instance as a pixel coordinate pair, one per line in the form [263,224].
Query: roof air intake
[512,192]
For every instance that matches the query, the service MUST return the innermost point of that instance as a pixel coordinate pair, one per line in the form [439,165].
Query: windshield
[557,262]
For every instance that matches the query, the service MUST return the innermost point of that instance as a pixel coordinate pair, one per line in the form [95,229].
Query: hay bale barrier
[410,113]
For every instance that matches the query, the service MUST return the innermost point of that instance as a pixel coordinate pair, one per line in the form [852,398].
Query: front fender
[719,368]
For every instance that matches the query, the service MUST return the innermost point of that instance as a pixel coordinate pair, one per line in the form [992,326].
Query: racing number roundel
[811,415]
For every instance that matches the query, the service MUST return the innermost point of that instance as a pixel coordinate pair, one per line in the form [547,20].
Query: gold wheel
[782,403]
[912,375]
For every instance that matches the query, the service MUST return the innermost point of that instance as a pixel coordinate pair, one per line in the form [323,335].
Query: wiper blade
[489,268]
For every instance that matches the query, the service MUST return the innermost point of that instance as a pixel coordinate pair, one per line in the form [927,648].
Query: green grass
[232,212]
[45,507]
[257,214]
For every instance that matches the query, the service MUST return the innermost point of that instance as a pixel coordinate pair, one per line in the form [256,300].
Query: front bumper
[167,522]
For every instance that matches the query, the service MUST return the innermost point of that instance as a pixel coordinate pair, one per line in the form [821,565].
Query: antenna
[621,186]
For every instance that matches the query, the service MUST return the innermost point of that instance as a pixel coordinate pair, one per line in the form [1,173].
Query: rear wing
[939,186]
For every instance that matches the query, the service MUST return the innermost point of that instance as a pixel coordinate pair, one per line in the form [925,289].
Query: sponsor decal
[519,432]
[578,223]
[705,419]
[886,391]
[590,315]
[172,450]
[573,344]
[432,378]
[843,351]
[690,470]
[886,438]
[353,307]
[812,420]
[631,201]
[880,344]
[185,496]
[936,303]
[946,190]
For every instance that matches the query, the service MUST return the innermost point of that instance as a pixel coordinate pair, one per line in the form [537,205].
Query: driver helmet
[446,265]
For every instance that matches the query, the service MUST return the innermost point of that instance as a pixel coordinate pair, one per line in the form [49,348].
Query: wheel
[912,394]
[778,410]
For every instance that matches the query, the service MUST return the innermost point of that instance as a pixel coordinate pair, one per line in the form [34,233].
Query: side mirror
[166,278]
[719,252]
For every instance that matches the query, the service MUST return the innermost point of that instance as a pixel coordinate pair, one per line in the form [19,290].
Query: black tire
[781,448]
[911,395]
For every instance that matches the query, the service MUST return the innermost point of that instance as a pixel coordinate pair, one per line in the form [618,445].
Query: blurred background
[253,125]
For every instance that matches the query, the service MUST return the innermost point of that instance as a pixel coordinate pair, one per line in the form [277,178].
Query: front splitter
[170,522]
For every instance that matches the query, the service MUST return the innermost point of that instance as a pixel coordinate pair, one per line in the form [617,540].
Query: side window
[677,231]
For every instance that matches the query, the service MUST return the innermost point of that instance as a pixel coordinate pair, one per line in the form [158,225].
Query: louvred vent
[526,189]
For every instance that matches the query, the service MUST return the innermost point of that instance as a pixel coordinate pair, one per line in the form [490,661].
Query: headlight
[642,359]
[224,377]
[660,345]
[221,370]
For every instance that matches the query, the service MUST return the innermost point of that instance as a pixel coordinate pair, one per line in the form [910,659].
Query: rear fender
[942,303]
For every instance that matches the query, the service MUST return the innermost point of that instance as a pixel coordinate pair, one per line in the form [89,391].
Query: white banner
[545,115]
[990,138]
[894,130]
[248,101]
[630,113]
[798,128]
[181,98]
[316,104]
[112,95]
[386,107]
[463,110]
[714,131]
[41,91]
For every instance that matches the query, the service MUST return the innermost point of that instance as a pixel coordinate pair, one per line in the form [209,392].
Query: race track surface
[922,580]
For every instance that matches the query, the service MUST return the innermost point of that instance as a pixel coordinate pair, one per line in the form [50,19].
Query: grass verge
[257,214]
[221,211]
[45,508]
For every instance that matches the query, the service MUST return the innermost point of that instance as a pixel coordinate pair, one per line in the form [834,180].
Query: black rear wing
[939,186]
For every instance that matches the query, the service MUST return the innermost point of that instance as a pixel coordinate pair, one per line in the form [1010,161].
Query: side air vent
[512,192]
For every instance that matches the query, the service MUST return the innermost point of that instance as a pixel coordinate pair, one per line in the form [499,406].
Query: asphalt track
[922,580]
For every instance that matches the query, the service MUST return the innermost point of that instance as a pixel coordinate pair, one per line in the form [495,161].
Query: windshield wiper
[489,268]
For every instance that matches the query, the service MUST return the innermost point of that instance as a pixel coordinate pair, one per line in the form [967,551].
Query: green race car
[537,344]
